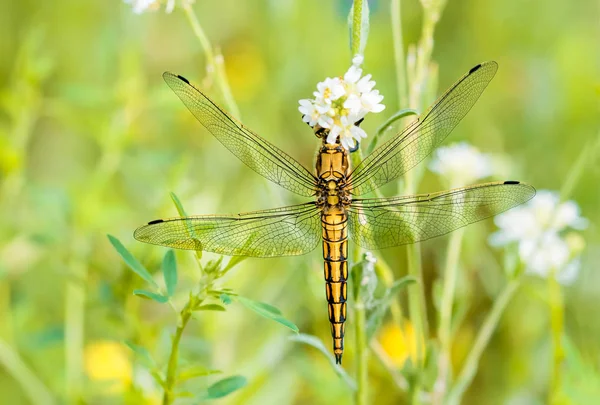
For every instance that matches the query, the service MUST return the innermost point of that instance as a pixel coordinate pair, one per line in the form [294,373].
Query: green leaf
[364,280]
[380,307]
[195,372]
[267,311]
[318,344]
[226,299]
[210,307]
[178,205]
[143,354]
[131,261]
[151,296]
[169,268]
[387,124]
[213,265]
[190,230]
[401,283]
[225,387]
[234,261]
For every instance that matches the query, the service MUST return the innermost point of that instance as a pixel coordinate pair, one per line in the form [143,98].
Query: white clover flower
[347,131]
[547,254]
[340,102]
[536,227]
[141,6]
[542,214]
[460,164]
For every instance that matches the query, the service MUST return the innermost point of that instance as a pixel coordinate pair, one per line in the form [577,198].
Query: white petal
[358,132]
[325,121]
[333,134]
[358,59]
[353,74]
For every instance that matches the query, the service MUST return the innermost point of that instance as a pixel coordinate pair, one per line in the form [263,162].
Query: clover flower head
[142,6]
[340,102]
[537,228]
[461,164]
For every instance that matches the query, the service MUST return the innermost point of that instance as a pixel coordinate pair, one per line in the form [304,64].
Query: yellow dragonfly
[335,214]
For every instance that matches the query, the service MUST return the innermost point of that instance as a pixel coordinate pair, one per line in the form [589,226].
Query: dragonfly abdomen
[335,253]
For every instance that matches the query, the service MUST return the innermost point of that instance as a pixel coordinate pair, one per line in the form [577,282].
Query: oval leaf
[262,305]
[178,205]
[210,307]
[169,268]
[267,311]
[318,344]
[195,372]
[131,261]
[225,387]
[401,283]
[143,354]
[151,296]
[225,299]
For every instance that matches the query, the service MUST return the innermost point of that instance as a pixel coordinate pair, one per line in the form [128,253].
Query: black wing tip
[475,68]
[156,221]
[183,79]
[512,182]
[167,75]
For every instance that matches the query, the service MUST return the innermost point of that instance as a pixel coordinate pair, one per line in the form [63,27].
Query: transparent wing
[260,155]
[284,231]
[419,139]
[385,222]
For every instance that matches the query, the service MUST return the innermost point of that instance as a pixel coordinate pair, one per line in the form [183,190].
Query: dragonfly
[335,212]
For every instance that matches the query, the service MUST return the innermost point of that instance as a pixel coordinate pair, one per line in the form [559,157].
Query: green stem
[171,377]
[389,365]
[557,325]
[416,296]
[481,341]
[215,61]
[399,56]
[445,325]
[75,296]
[361,393]
[356,26]
[362,357]
[32,387]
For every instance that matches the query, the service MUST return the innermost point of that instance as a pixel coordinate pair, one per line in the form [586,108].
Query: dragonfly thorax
[332,171]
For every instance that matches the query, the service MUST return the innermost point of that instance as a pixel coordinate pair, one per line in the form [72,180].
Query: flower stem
[362,358]
[170,380]
[32,387]
[481,341]
[215,61]
[557,324]
[361,353]
[445,326]
[356,26]
[399,56]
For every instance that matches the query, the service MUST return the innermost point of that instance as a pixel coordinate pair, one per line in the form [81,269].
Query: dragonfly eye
[356,146]
[320,132]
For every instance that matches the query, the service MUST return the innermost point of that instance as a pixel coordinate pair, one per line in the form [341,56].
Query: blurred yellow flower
[245,68]
[399,343]
[108,361]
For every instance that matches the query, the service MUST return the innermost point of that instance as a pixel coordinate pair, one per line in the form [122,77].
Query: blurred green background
[92,141]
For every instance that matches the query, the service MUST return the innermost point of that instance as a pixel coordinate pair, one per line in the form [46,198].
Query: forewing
[260,155]
[284,231]
[385,222]
[419,139]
